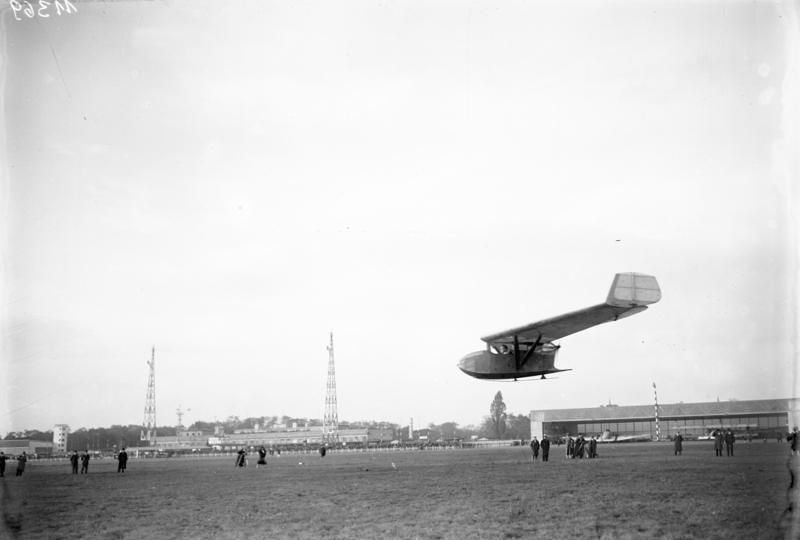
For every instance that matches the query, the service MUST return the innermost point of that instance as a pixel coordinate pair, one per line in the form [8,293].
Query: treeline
[100,439]
[498,425]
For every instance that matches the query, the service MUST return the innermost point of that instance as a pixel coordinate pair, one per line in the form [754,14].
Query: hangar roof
[671,410]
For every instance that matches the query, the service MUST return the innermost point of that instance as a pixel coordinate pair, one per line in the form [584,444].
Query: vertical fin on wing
[631,289]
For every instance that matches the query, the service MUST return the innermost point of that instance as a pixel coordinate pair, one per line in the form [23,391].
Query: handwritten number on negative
[26,8]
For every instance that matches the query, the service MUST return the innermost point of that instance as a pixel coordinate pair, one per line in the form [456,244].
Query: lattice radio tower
[149,431]
[330,421]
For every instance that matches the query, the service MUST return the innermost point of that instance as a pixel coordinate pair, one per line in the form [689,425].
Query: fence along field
[629,491]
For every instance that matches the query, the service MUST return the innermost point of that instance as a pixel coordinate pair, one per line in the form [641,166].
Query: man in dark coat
[535,449]
[791,438]
[85,463]
[593,447]
[3,458]
[580,446]
[730,438]
[718,443]
[73,459]
[570,447]
[21,463]
[545,448]
[678,444]
[122,461]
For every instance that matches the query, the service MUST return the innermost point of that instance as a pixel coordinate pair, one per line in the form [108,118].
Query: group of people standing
[544,446]
[241,457]
[21,460]
[83,459]
[720,438]
[580,447]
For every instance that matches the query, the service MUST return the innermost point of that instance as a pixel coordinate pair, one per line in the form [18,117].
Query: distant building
[15,447]
[60,435]
[291,437]
[755,418]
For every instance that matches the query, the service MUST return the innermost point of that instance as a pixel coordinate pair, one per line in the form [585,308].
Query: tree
[497,415]
[519,427]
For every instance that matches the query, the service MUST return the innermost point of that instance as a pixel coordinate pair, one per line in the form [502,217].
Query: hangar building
[764,418]
[15,447]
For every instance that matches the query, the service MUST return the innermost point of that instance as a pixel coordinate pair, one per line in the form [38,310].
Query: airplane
[608,437]
[529,351]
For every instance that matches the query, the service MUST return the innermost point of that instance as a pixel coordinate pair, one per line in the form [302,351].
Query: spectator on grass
[792,439]
[545,448]
[241,458]
[570,447]
[535,448]
[580,446]
[678,444]
[85,463]
[3,458]
[593,447]
[21,463]
[718,443]
[73,459]
[262,457]
[730,438]
[122,460]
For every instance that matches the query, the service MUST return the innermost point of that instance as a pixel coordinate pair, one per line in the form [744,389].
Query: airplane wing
[630,294]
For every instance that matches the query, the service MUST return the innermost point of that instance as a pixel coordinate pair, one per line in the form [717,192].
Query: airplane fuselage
[488,364]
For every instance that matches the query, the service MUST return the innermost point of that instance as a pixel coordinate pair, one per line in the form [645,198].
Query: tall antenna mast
[330,422]
[655,396]
[149,425]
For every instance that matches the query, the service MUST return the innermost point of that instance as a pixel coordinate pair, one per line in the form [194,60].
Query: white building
[60,434]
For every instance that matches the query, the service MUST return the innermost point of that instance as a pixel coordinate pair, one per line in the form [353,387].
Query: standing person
[73,459]
[718,443]
[678,444]
[730,438]
[85,463]
[535,448]
[241,458]
[122,461]
[593,447]
[2,464]
[545,448]
[570,447]
[792,440]
[580,446]
[21,463]
[262,457]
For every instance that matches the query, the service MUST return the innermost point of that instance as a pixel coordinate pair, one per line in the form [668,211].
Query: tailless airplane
[529,351]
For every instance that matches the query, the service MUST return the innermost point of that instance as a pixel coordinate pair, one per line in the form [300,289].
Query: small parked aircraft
[607,437]
[529,350]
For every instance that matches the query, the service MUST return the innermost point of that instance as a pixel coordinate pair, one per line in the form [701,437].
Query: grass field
[630,491]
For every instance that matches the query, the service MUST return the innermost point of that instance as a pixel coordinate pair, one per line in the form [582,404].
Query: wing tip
[630,289]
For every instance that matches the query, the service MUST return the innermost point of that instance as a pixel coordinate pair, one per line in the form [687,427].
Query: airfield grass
[630,491]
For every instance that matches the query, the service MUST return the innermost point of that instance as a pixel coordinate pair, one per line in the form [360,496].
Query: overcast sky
[231,181]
